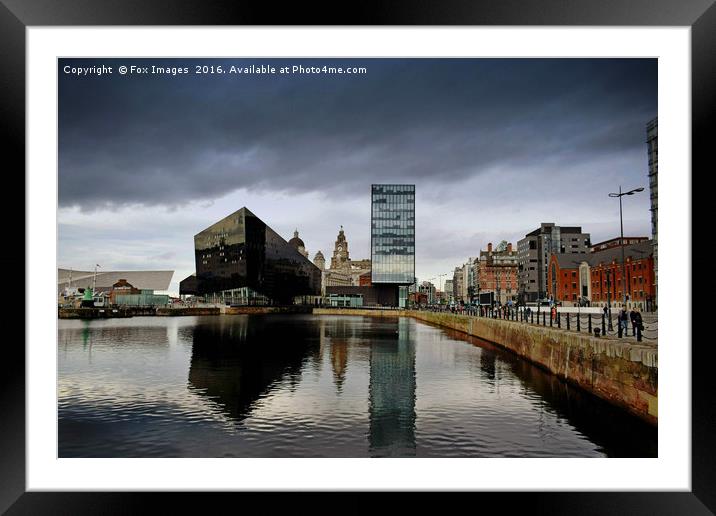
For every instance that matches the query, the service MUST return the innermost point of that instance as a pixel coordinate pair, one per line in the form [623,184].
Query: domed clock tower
[340,257]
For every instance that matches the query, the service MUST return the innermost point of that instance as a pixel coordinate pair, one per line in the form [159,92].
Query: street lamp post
[609,299]
[94,279]
[621,241]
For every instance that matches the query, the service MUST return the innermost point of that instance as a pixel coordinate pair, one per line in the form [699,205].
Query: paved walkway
[649,335]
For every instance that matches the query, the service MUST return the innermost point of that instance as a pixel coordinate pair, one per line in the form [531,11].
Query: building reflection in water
[392,391]
[339,361]
[336,335]
[235,363]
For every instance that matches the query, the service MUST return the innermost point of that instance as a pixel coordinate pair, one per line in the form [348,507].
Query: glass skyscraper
[393,234]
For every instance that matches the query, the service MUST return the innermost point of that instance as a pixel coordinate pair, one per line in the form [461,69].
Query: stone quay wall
[241,310]
[101,313]
[198,310]
[622,373]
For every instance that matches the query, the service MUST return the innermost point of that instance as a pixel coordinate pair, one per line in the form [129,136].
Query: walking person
[623,322]
[632,318]
[639,325]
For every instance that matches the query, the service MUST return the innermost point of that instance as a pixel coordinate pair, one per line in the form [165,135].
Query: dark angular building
[392,239]
[241,260]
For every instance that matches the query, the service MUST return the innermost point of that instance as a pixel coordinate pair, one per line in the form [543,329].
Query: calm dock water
[318,386]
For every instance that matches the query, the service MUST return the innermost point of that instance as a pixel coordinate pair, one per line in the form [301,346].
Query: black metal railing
[592,323]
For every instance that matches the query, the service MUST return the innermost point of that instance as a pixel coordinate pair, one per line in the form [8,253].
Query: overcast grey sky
[494,147]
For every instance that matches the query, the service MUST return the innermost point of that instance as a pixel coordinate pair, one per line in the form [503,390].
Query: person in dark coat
[639,325]
[632,317]
[623,320]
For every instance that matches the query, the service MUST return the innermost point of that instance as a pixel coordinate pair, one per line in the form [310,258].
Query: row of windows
[391,224]
[393,199]
[393,189]
[635,295]
[391,215]
[394,240]
[403,251]
[389,233]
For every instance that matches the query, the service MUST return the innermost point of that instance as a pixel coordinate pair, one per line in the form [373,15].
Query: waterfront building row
[241,260]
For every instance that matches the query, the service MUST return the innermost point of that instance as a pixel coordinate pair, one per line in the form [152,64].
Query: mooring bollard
[596,332]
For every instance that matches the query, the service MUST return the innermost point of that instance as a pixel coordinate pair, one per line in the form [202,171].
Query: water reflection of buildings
[336,334]
[235,363]
[339,361]
[392,392]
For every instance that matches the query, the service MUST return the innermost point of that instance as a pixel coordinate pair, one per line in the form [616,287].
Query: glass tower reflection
[392,394]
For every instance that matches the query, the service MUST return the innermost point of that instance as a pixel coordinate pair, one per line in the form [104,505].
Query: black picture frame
[17,15]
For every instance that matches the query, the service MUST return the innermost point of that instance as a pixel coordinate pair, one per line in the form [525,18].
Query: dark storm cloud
[167,140]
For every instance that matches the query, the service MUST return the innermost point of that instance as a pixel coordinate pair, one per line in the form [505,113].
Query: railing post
[532,317]
[559,320]
[590,322]
[578,326]
[550,319]
[567,320]
[604,332]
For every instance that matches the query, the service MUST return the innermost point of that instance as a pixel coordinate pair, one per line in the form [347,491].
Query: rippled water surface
[318,386]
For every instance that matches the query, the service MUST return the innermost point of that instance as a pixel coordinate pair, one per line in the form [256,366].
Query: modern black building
[393,237]
[241,260]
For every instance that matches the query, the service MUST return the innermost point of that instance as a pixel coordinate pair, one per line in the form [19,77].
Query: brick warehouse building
[497,273]
[597,277]
[568,278]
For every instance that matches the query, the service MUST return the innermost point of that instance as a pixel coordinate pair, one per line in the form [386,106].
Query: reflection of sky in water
[317,386]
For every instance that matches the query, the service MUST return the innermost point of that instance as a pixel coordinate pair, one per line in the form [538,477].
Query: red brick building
[418,298]
[597,277]
[568,278]
[497,272]
[616,242]
[364,279]
[606,275]
[122,287]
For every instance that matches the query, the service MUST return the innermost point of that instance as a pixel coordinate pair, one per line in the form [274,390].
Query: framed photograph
[419,252]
